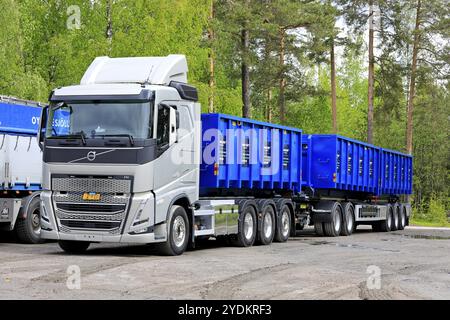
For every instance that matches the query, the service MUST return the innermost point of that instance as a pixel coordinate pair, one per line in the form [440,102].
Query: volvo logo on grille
[91,155]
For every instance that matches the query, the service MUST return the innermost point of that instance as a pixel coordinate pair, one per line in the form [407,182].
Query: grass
[424,223]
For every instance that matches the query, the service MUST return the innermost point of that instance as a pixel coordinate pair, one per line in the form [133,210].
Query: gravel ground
[412,264]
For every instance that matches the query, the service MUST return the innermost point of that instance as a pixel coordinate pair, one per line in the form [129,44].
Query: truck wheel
[74,247]
[402,218]
[396,217]
[28,230]
[247,228]
[386,225]
[177,235]
[333,228]
[348,219]
[284,225]
[266,231]
[318,228]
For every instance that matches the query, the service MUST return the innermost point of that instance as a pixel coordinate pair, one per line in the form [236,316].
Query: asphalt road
[409,264]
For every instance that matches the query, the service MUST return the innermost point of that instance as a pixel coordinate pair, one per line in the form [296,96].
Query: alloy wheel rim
[248,226]
[268,223]
[285,223]
[179,231]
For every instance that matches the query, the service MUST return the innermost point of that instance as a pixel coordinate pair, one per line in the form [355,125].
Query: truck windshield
[91,120]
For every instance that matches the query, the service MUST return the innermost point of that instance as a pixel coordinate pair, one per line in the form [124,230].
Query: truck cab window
[163,125]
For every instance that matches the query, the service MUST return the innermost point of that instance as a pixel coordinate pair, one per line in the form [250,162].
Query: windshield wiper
[129,136]
[80,135]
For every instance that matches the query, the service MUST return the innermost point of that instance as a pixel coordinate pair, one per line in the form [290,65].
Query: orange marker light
[216,169]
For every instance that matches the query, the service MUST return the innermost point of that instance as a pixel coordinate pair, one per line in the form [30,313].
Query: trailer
[127,157]
[20,168]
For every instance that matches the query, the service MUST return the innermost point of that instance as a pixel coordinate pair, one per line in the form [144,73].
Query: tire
[402,218]
[348,220]
[334,227]
[247,227]
[74,247]
[396,217]
[266,230]
[28,230]
[386,225]
[177,234]
[283,228]
[318,228]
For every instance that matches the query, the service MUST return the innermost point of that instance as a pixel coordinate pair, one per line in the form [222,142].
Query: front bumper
[136,226]
[125,238]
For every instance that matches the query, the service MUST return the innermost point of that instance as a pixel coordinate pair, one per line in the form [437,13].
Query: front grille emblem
[91,155]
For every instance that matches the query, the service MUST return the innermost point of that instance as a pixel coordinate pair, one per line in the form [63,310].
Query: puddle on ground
[422,236]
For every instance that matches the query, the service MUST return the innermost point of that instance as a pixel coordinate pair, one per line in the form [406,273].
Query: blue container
[396,172]
[19,118]
[247,154]
[341,163]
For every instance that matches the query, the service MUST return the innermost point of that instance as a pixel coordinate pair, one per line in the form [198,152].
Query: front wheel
[177,234]
[74,247]
[28,229]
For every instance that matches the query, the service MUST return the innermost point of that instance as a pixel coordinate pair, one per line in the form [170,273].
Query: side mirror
[42,127]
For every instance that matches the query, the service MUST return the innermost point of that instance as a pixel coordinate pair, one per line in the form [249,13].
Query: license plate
[90,196]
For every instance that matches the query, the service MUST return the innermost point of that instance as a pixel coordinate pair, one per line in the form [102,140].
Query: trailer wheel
[247,228]
[177,234]
[28,230]
[266,231]
[334,227]
[283,225]
[402,218]
[318,228]
[386,225]
[348,219]
[396,217]
[74,247]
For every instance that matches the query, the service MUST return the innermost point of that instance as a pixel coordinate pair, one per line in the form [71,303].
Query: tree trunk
[269,105]
[281,97]
[412,83]
[245,74]
[333,87]
[371,76]
[211,60]
[109,27]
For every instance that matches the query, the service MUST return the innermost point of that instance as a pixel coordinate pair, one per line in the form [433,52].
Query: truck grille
[104,208]
[88,184]
[75,214]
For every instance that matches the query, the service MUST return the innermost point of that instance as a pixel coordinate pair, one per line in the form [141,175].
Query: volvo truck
[129,158]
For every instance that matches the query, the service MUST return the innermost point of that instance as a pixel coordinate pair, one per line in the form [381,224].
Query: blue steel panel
[396,175]
[249,154]
[345,164]
[19,119]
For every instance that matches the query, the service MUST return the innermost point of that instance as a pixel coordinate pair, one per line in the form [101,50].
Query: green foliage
[433,211]
[38,52]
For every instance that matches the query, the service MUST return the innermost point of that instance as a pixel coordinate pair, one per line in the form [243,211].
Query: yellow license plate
[89,196]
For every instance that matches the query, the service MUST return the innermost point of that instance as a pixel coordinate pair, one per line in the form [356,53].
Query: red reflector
[216,169]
